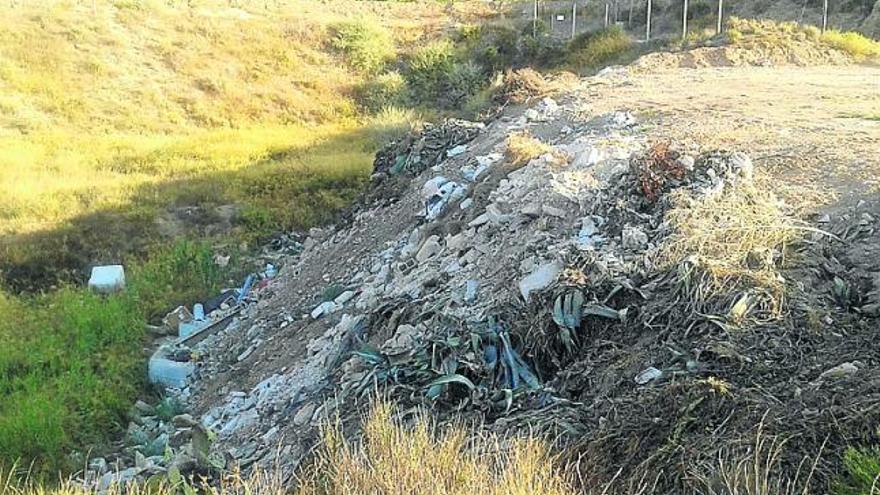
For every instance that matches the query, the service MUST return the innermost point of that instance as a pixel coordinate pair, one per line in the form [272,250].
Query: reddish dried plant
[656,168]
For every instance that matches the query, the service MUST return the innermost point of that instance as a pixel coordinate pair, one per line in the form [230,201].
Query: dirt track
[811,127]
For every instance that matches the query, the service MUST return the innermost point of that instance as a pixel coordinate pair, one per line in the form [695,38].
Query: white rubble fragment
[633,237]
[343,298]
[540,279]
[648,375]
[467,203]
[325,308]
[430,248]
[458,150]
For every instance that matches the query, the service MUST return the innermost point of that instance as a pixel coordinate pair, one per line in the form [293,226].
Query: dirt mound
[804,54]
[649,308]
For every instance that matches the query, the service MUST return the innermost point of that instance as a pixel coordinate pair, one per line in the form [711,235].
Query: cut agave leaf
[602,311]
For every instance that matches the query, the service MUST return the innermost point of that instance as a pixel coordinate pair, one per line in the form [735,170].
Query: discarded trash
[568,310]
[271,271]
[245,289]
[458,150]
[107,279]
[648,375]
[198,312]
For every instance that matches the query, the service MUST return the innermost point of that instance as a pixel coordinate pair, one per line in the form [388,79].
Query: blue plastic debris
[245,289]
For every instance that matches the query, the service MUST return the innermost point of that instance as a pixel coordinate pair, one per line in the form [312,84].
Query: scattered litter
[470,291]
[648,375]
[107,279]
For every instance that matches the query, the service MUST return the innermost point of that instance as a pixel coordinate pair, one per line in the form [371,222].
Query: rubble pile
[533,300]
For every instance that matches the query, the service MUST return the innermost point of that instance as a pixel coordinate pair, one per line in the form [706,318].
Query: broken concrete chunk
[429,249]
[107,279]
[325,308]
[480,220]
[470,291]
[467,203]
[540,279]
[553,211]
[343,298]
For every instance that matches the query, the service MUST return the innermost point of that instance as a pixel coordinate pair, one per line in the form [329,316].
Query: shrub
[428,70]
[595,50]
[367,45]
[390,124]
[522,148]
[463,81]
[855,44]
[384,90]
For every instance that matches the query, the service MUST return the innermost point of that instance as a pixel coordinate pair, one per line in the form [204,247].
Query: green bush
[464,80]
[428,70]
[596,50]
[391,124]
[384,90]
[862,467]
[367,45]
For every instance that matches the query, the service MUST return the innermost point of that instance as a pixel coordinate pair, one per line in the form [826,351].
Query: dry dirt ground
[815,130]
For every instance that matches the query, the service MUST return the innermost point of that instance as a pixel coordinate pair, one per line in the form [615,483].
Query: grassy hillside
[131,107]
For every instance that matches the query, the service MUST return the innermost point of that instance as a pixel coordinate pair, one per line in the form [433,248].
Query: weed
[596,50]
[862,473]
[387,89]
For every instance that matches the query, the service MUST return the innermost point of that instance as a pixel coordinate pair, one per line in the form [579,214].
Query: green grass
[593,51]
[72,361]
[862,473]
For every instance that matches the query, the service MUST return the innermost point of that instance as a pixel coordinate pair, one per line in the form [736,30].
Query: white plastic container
[107,279]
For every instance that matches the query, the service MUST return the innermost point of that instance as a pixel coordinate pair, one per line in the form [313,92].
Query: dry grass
[741,231]
[755,469]
[390,459]
[395,459]
[523,148]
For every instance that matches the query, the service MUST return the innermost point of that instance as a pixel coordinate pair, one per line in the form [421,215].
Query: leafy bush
[428,70]
[862,476]
[382,91]
[464,80]
[595,50]
[366,44]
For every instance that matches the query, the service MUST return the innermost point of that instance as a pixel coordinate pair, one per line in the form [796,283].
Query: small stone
[467,203]
[456,242]
[144,409]
[480,220]
[429,249]
[305,413]
[687,162]
[184,421]
[840,371]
